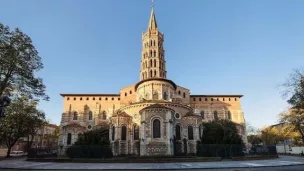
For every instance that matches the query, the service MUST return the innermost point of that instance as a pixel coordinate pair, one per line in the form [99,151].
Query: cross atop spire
[152,21]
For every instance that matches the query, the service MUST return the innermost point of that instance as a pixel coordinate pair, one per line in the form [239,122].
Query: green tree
[221,132]
[294,91]
[99,136]
[21,117]
[19,60]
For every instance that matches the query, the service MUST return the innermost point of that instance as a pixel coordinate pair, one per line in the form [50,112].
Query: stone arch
[190,132]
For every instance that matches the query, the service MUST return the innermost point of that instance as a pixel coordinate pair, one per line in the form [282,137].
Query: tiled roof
[122,114]
[157,106]
[190,114]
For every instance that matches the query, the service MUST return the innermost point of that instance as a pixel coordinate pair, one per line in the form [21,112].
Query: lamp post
[4,101]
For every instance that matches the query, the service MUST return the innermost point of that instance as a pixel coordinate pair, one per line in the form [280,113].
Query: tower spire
[153,64]
[152,21]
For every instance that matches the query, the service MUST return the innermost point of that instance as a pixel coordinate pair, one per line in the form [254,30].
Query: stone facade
[152,117]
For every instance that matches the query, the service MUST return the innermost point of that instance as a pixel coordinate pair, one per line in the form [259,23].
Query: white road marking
[253,164]
[290,162]
[30,165]
[188,165]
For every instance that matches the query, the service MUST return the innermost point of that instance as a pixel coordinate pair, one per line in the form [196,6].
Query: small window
[68,98]
[156,128]
[75,116]
[200,99]
[106,98]
[130,92]
[206,99]
[89,127]
[223,99]
[112,98]
[113,133]
[177,115]
[90,115]
[190,133]
[217,99]
[123,133]
[177,132]
[87,98]
[80,98]
[215,115]
[179,92]
[211,99]
[74,98]
[193,99]
[126,94]
[229,115]
[184,95]
[93,98]
[118,98]
[235,99]
[69,139]
[99,98]
[229,99]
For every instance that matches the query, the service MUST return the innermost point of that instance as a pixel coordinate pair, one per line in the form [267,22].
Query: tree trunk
[8,151]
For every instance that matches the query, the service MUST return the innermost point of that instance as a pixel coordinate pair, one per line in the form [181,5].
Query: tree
[270,135]
[294,91]
[22,116]
[254,139]
[221,132]
[99,136]
[51,139]
[19,60]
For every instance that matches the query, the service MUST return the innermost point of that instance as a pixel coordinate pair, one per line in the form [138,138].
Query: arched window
[155,73]
[202,114]
[154,54]
[215,115]
[184,94]
[150,42]
[136,132]
[90,115]
[156,128]
[146,64]
[160,74]
[154,63]
[143,75]
[113,133]
[151,73]
[165,96]
[69,140]
[151,63]
[155,95]
[144,55]
[104,115]
[154,43]
[123,133]
[229,115]
[177,132]
[179,92]
[146,75]
[150,53]
[159,64]
[75,116]
[190,133]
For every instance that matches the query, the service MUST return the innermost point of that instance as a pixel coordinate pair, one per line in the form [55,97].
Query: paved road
[285,168]
[283,161]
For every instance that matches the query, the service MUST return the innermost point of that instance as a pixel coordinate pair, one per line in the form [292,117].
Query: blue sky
[212,46]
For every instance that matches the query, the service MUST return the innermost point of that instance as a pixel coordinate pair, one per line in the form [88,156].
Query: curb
[193,168]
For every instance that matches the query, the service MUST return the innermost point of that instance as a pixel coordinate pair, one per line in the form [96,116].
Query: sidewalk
[22,164]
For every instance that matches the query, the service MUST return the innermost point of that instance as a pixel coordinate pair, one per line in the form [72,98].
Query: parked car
[17,153]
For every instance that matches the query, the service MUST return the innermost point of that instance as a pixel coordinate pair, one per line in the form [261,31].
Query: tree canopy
[99,136]
[21,119]
[294,91]
[221,132]
[19,61]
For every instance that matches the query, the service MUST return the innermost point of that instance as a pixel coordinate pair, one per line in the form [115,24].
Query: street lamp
[5,101]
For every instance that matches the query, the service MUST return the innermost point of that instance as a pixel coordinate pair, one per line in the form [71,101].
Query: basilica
[148,117]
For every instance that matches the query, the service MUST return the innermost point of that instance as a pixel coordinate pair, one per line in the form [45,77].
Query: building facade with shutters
[148,117]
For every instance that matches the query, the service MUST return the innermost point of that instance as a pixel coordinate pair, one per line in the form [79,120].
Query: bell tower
[153,64]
